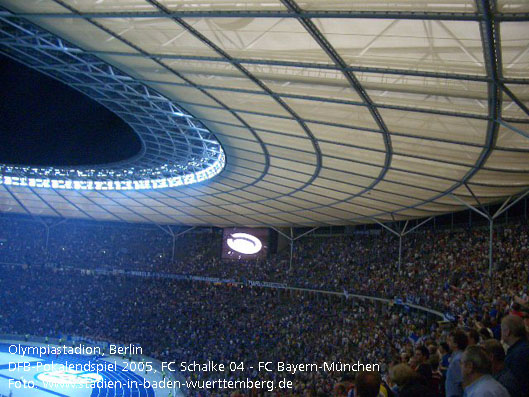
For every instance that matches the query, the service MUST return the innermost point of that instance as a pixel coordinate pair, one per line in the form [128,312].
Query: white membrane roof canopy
[329,112]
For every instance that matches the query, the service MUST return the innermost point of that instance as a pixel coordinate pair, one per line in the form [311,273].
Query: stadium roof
[329,112]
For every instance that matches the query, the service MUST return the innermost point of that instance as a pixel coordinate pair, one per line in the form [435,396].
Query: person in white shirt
[477,379]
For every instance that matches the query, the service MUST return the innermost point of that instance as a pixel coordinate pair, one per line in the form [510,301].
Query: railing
[251,283]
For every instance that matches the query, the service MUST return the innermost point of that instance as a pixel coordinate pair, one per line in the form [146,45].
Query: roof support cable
[292,239]
[504,207]
[401,232]
[512,128]
[515,99]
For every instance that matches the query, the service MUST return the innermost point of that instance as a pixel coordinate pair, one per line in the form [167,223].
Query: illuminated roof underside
[176,148]
[329,112]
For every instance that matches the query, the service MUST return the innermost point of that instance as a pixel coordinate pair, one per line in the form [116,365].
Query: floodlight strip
[111,184]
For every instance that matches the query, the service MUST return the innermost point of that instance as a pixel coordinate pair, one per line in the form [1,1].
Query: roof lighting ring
[177,149]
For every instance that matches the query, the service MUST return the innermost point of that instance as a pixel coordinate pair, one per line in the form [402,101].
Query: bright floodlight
[177,149]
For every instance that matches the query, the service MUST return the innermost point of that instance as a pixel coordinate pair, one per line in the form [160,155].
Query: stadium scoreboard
[245,243]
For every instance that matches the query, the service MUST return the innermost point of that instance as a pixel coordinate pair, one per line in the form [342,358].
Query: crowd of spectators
[198,321]
[186,320]
[111,245]
[444,270]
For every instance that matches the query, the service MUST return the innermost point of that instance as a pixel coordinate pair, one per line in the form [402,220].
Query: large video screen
[244,243]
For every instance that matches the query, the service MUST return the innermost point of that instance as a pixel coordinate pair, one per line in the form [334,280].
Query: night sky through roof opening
[45,122]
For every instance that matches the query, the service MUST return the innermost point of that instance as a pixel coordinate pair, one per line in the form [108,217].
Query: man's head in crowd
[473,337]
[496,354]
[444,348]
[432,348]
[401,374]
[458,340]
[340,390]
[474,364]
[421,355]
[485,333]
[512,329]
[367,384]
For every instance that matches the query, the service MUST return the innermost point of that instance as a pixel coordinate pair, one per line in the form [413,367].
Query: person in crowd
[496,355]
[485,333]
[367,384]
[348,380]
[406,382]
[476,369]
[422,367]
[434,356]
[473,337]
[513,334]
[526,320]
[516,309]
[458,342]
[340,390]
[444,353]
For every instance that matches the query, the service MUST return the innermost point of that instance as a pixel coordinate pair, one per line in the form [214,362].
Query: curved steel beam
[249,75]
[355,84]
